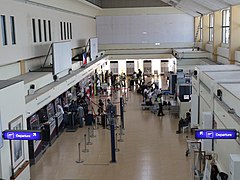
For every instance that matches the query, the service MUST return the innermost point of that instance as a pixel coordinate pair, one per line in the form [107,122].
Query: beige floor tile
[151,151]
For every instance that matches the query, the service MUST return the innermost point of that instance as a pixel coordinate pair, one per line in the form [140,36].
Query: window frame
[4,30]
[225,26]
[211,27]
[201,29]
[13,29]
[40,30]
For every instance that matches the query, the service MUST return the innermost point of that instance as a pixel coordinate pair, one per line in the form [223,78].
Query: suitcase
[89,119]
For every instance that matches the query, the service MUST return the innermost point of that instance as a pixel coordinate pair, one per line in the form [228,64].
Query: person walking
[160,104]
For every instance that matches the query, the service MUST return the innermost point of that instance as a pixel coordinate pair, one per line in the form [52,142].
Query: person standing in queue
[160,104]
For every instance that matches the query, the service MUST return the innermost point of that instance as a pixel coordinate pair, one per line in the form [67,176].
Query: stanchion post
[89,140]
[122,112]
[117,149]
[112,131]
[105,120]
[85,144]
[120,134]
[79,154]
[96,122]
[121,130]
[92,132]
[126,94]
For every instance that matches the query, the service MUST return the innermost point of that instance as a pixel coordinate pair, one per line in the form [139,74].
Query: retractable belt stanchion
[120,134]
[89,140]
[79,154]
[112,131]
[126,94]
[85,144]
[105,124]
[121,131]
[117,149]
[121,112]
[92,132]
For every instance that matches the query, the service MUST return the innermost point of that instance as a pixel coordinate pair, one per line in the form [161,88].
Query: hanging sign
[216,134]
[21,135]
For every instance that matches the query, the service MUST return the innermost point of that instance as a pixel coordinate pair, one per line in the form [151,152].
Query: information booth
[35,146]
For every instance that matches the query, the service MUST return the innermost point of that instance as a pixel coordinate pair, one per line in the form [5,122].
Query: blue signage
[21,135]
[216,134]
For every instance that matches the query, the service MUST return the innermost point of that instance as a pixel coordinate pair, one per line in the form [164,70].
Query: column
[205,31]
[217,32]
[22,67]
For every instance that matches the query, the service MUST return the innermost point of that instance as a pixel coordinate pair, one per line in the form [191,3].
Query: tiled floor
[151,151]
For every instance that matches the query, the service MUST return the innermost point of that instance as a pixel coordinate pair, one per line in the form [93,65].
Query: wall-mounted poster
[17,149]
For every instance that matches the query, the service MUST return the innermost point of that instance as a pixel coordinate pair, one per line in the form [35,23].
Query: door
[114,67]
[164,67]
[130,67]
[147,67]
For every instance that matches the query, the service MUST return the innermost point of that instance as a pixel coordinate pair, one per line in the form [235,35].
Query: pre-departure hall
[119,90]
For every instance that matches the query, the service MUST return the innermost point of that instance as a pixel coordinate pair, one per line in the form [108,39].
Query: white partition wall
[194,110]
[12,108]
[163,28]
[207,124]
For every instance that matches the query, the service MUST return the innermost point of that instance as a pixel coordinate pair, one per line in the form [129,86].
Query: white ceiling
[191,7]
[197,7]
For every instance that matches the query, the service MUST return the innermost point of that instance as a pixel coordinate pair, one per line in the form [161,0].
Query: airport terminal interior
[123,90]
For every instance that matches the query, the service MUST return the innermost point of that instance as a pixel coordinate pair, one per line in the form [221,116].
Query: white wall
[12,105]
[141,29]
[82,27]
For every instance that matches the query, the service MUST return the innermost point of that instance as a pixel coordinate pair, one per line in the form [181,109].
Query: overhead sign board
[216,134]
[21,135]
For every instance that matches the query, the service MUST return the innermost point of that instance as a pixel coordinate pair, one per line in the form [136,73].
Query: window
[4,30]
[34,30]
[70,26]
[65,30]
[210,27]
[61,30]
[201,29]
[49,30]
[225,26]
[12,24]
[45,30]
[40,30]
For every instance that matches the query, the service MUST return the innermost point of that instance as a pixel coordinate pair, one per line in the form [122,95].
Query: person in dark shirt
[100,107]
[184,122]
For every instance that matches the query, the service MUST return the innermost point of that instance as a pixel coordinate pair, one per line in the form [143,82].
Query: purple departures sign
[216,134]
[21,135]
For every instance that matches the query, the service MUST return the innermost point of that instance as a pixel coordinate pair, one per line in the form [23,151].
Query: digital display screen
[186,97]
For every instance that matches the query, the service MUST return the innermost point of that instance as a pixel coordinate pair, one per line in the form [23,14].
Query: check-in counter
[205,83]
[226,116]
